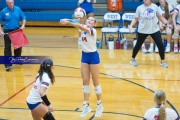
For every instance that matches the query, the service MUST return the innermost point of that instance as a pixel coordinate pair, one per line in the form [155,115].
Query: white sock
[99,102]
[151,44]
[168,44]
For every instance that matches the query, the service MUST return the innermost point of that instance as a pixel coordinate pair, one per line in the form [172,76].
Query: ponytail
[46,67]
[162,112]
[166,8]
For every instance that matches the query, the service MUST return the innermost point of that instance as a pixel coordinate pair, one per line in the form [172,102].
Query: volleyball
[79,13]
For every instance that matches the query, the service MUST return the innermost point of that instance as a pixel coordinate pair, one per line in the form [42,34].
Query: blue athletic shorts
[32,106]
[87,7]
[90,58]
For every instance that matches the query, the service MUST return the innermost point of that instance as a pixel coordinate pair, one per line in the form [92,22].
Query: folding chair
[127,17]
[111,23]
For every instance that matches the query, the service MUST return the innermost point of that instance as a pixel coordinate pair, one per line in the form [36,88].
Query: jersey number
[84,39]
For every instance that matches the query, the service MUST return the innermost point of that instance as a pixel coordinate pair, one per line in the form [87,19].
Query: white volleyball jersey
[152,114]
[177,9]
[162,11]
[34,96]
[89,40]
[172,2]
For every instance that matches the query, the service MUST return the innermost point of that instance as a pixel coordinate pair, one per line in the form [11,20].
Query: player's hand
[64,21]
[22,27]
[1,33]
[50,108]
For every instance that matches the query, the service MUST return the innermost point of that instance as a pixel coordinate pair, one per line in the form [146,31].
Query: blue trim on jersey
[32,106]
[87,7]
[90,58]
[11,18]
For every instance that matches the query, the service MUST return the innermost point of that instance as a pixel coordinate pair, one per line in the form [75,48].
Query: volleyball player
[89,64]
[37,100]
[160,112]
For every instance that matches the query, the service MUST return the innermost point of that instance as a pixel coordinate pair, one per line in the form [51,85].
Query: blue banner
[22,59]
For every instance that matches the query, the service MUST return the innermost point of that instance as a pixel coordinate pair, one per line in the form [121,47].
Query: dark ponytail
[46,67]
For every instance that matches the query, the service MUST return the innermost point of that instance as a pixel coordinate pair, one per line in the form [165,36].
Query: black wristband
[46,101]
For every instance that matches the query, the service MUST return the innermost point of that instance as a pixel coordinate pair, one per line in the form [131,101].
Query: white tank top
[177,9]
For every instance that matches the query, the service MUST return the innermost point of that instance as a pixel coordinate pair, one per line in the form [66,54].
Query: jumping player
[89,63]
[37,100]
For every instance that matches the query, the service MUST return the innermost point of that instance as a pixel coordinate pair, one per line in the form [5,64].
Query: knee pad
[86,89]
[168,31]
[48,116]
[175,36]
[98,89]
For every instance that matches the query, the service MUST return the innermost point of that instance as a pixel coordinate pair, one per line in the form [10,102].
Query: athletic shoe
[79,41]
[175,49]
[164,64]
[150,50]
[168,49]
[8,68]
[133,63]
[144,50]
[123,40]
[99,110]
[85,110]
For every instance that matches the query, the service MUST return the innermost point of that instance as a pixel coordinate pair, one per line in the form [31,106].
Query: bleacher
[49,12]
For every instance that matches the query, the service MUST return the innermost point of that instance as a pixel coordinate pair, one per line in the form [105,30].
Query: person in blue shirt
[10,16]
[88,7]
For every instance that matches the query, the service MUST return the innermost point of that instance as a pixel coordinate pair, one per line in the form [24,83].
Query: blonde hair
[160,98]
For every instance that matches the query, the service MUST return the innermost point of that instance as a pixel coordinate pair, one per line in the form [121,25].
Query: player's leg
[140,41]
[42,112]
[169,37]
[85,73]
[35,116]
[158,40]
[176,37]
[94,68]
[7,50]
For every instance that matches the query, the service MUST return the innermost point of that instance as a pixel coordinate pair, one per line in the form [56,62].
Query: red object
[117,44]
[18,38]
[114,5]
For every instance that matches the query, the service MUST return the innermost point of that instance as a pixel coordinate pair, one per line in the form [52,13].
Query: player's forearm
[24,22]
